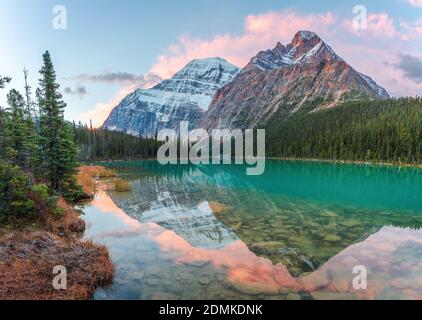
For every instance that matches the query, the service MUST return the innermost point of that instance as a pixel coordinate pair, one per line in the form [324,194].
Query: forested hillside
[100,144]
[367,130]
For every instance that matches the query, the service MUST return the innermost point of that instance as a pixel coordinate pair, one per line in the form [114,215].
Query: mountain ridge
[211,93]
[183,97]
[283,79]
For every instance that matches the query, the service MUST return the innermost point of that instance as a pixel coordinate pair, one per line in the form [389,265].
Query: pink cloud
[380,63]
[101,110]
[415,3]
[381,25]
[412,30]
[260,32]
[378,25]
[373,51]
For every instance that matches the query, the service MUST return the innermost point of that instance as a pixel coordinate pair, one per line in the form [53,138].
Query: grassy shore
[30,250]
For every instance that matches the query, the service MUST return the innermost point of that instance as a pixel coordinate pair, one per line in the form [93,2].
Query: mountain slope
[186,96]
[283,80]
[387,130]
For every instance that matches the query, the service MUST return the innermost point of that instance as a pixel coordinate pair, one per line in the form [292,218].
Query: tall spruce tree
[3,82]
[19,135]
[57,156]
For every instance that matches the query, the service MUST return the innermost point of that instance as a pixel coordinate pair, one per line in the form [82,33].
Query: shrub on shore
[106,173]
[29,274]
[20,198]
[87,174]
[122,185]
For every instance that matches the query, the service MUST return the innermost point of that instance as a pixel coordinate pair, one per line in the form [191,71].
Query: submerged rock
[325,295]
[349,223]
[332,238]
[204,280]
[163,296]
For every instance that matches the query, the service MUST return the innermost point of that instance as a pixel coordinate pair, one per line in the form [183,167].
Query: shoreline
[358,162]
[30,250]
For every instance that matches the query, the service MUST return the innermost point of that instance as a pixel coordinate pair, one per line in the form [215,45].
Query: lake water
[296,232]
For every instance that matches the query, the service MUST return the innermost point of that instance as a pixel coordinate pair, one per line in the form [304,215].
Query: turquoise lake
[296,232]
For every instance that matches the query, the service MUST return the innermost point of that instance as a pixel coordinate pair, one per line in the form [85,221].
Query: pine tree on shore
[57,160]
[19,135]
[3,82]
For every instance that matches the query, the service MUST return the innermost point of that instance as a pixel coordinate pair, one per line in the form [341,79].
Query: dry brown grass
[87,174]
[69,224]
[27,260]
[106,173]
[122,185]
[218,208]
[86,179]
[28,255]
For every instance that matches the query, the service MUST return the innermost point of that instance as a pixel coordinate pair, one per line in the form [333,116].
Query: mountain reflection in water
[215,235]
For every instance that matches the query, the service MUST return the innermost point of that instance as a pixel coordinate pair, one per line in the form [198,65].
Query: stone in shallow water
[254,288]
[247,289]
[328,214]
[349,223]
[217,207]
[152,282]
[163,296]
[293,296]
[137,276]
[268,245]
[204,280]
[198,263]
[332,238]
[325,295]
[185,276]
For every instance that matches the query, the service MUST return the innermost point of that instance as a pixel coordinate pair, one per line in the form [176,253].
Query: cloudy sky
[109,48]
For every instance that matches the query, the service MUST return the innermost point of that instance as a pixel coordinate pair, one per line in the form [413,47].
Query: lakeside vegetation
[37,151]
[365,130]
[38,166]
[96,144]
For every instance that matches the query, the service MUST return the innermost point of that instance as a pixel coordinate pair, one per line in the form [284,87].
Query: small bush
[21,200]
[90,171]
[122,185]
[106,173]
[72,191]
[44,202]
[15,186]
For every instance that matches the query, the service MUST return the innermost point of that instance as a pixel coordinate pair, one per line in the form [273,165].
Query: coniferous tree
[57,157]
[364,130]
[19,136]
[3,82]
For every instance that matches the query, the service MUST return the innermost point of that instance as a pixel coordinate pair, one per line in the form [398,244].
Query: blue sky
[105,37]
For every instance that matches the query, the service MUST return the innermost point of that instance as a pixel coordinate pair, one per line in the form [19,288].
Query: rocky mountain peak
[305,37]
[305,47]
[305,72]
[200,76]
[183,97]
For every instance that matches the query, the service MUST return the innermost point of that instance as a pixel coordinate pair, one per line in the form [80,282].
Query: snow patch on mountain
[184,97]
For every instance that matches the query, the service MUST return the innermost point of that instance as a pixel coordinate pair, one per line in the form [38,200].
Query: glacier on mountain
[184,97]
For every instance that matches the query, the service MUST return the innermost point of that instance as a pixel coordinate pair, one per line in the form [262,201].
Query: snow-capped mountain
[184,97]
[284,79]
